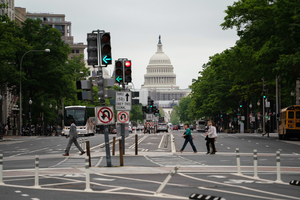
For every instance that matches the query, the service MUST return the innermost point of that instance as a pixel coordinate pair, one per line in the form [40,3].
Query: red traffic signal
[128,63]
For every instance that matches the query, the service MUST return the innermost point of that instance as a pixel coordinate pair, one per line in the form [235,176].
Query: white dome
[160,58]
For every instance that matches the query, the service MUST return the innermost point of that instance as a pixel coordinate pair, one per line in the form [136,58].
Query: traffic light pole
[106,138]
[123,126]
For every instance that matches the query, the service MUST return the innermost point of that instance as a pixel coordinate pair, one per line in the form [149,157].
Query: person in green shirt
[188,138]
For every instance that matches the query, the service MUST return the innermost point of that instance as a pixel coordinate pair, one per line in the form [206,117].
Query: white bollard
[1,170]
[36,179]
[278,168]
[162,186]
[80,143]
[87,178]
[255,163]
[238,161]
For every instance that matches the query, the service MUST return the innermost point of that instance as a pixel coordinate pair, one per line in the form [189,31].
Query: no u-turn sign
[123,117]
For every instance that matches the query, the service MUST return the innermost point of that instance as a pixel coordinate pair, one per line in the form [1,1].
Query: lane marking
[161,141]
[100,160]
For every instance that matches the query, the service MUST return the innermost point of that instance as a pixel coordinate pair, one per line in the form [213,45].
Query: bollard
[1,170]
[36,179]
[162,186]
[255,163]
[136,144]
[121,152]
[278,167]
[88,152]
[114,146]
[80,143]
[87,177]
[238,161]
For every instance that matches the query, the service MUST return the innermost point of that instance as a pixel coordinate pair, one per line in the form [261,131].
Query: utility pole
[276,112]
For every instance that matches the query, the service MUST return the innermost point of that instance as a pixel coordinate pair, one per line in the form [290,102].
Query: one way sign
[123,101]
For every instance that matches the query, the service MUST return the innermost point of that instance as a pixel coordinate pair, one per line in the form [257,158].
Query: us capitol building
[160,81]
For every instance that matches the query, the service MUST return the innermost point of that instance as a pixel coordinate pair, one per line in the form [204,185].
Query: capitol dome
[160,73]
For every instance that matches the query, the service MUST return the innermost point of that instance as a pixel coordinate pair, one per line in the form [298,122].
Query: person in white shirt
[211,136]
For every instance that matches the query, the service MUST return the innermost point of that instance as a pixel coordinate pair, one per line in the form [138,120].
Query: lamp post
[43,132]
[46,50]
[292,95]
[250,121]
[258,104]
[30,102]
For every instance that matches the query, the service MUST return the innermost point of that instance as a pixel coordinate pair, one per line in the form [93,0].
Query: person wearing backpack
[211,137]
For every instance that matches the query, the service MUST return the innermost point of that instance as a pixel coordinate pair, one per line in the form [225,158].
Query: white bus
[200,125]
[84,118]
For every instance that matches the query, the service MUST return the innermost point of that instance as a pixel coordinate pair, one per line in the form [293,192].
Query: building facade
[160,81]
[64,27]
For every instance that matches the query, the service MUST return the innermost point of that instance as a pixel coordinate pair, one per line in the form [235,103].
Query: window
[57,19]
[298,115]
[73,51]
[291,115]
[77,50]
[59,27]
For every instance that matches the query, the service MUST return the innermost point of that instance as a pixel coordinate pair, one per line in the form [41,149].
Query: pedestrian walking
[6,129]
[188,138]
[73,138]
[211,136]
[267,129]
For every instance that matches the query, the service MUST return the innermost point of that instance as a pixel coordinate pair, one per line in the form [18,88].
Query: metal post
[136,144]
[36,179]
[255,163]
[108,159]
[1,170]
[87,175]
[238,161]
[278,167]
[114,146]
[121,152]
[162,186]
[276,111]
[123,137]
[88,152]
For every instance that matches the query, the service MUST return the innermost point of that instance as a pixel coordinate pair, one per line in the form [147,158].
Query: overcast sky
[190,30]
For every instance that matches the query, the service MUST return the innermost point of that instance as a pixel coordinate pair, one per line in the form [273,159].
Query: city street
[142,174]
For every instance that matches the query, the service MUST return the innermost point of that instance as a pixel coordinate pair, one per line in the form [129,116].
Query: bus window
[291,115]
[298,115]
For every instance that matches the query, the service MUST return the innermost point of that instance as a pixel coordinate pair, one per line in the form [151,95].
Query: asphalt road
[140,177]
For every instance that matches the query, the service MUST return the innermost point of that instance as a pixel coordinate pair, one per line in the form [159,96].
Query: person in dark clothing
[267,129]
[188,138]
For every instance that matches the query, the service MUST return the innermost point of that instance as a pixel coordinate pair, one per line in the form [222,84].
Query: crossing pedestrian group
[211,137]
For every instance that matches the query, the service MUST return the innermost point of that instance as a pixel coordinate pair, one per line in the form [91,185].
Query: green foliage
[174,118]
[136,113]
[268,47]
[161,112]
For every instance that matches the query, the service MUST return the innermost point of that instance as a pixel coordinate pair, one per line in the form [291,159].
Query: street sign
[150,124]
[123,117]
[252,119]
[242,118]
[104,115]
[123,101]
[149,116]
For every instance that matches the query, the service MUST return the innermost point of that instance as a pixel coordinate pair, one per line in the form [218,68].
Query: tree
[174,117]
[136,113]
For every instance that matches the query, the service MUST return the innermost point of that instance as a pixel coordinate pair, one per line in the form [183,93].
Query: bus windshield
[79,116]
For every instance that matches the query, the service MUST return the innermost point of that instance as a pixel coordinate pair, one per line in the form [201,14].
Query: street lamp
[292,95]
[50,129]
[46,50]
[30,102]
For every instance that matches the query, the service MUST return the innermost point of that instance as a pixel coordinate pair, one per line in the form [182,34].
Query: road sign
[149,116]
[123,117]
[104,115]
[242,117]
[123,100]
[150,124]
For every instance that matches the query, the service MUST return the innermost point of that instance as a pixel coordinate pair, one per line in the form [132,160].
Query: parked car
[175,127]
[114,131]
[192,127]
[162,127]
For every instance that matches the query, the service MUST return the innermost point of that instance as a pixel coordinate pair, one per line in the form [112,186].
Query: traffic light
[264,94]
[92,49]
[101,92]
[119,71]
[154,109]
[151,103]
[144,108]
[127,69]
[105,48]
[241,105]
